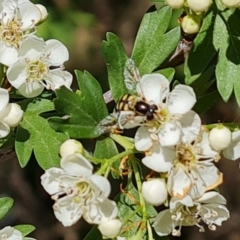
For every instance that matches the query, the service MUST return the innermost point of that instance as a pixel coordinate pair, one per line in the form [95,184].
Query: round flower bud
[43,12]
[12,114]
[175,3]
[220,137]
[199,6]
[71,146]
[111,228]
[191,24]
[231,3]
[154,192]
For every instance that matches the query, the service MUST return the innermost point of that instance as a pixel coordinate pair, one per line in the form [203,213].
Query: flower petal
[29,14]
[8,54]
[67,211]
[170,134]
[160,159]
[4,98]
[50,180]
[4,129]
[102,183]
[191,125]
[31,89]
[212,197]
[181,99]
[143,141]
[58,53]
[17,74]
[178,184]
[97,213]
[10,233]
[163,223]
[57,78]
[153,87]
[76,165]
[233,150]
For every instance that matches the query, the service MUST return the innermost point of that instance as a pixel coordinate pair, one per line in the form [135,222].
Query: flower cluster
[80,193]
[33,64]
[10,113]
[183,152]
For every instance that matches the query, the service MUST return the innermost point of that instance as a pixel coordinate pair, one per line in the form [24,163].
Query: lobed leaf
[152,46]
[34,134]
[115,58]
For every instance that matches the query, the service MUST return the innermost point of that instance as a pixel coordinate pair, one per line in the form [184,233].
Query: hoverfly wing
[108,124]
[131,75]
[129,119]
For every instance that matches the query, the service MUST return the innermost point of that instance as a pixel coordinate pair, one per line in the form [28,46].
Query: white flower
[111,228]
[78,192]
[10,113]
[220,137]
[158,157]
[17,22]
[39,66]
[172,106]
[193,171]
[188,212]
[154,192]
[71,146]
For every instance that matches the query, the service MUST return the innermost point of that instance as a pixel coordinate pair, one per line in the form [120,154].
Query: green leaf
[93,234]
[227,41]
[35,134]
[25,229]
[205,102]
[115,58]
[129,211]
[6,204]
[106,148]
[76,123]
[167,72]
[202,51]
[92,96]
[152,46]
[204,82]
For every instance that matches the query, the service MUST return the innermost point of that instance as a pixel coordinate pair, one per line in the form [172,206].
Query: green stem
[150,234]
[139,188]
[108,162]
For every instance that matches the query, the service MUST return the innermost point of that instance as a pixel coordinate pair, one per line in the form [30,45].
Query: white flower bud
[191,24]
[71,146]
[175,3]
[43,12]
[199,5]
[154,192]
[220,137]
[12,114]
[111,228]
[231,3]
